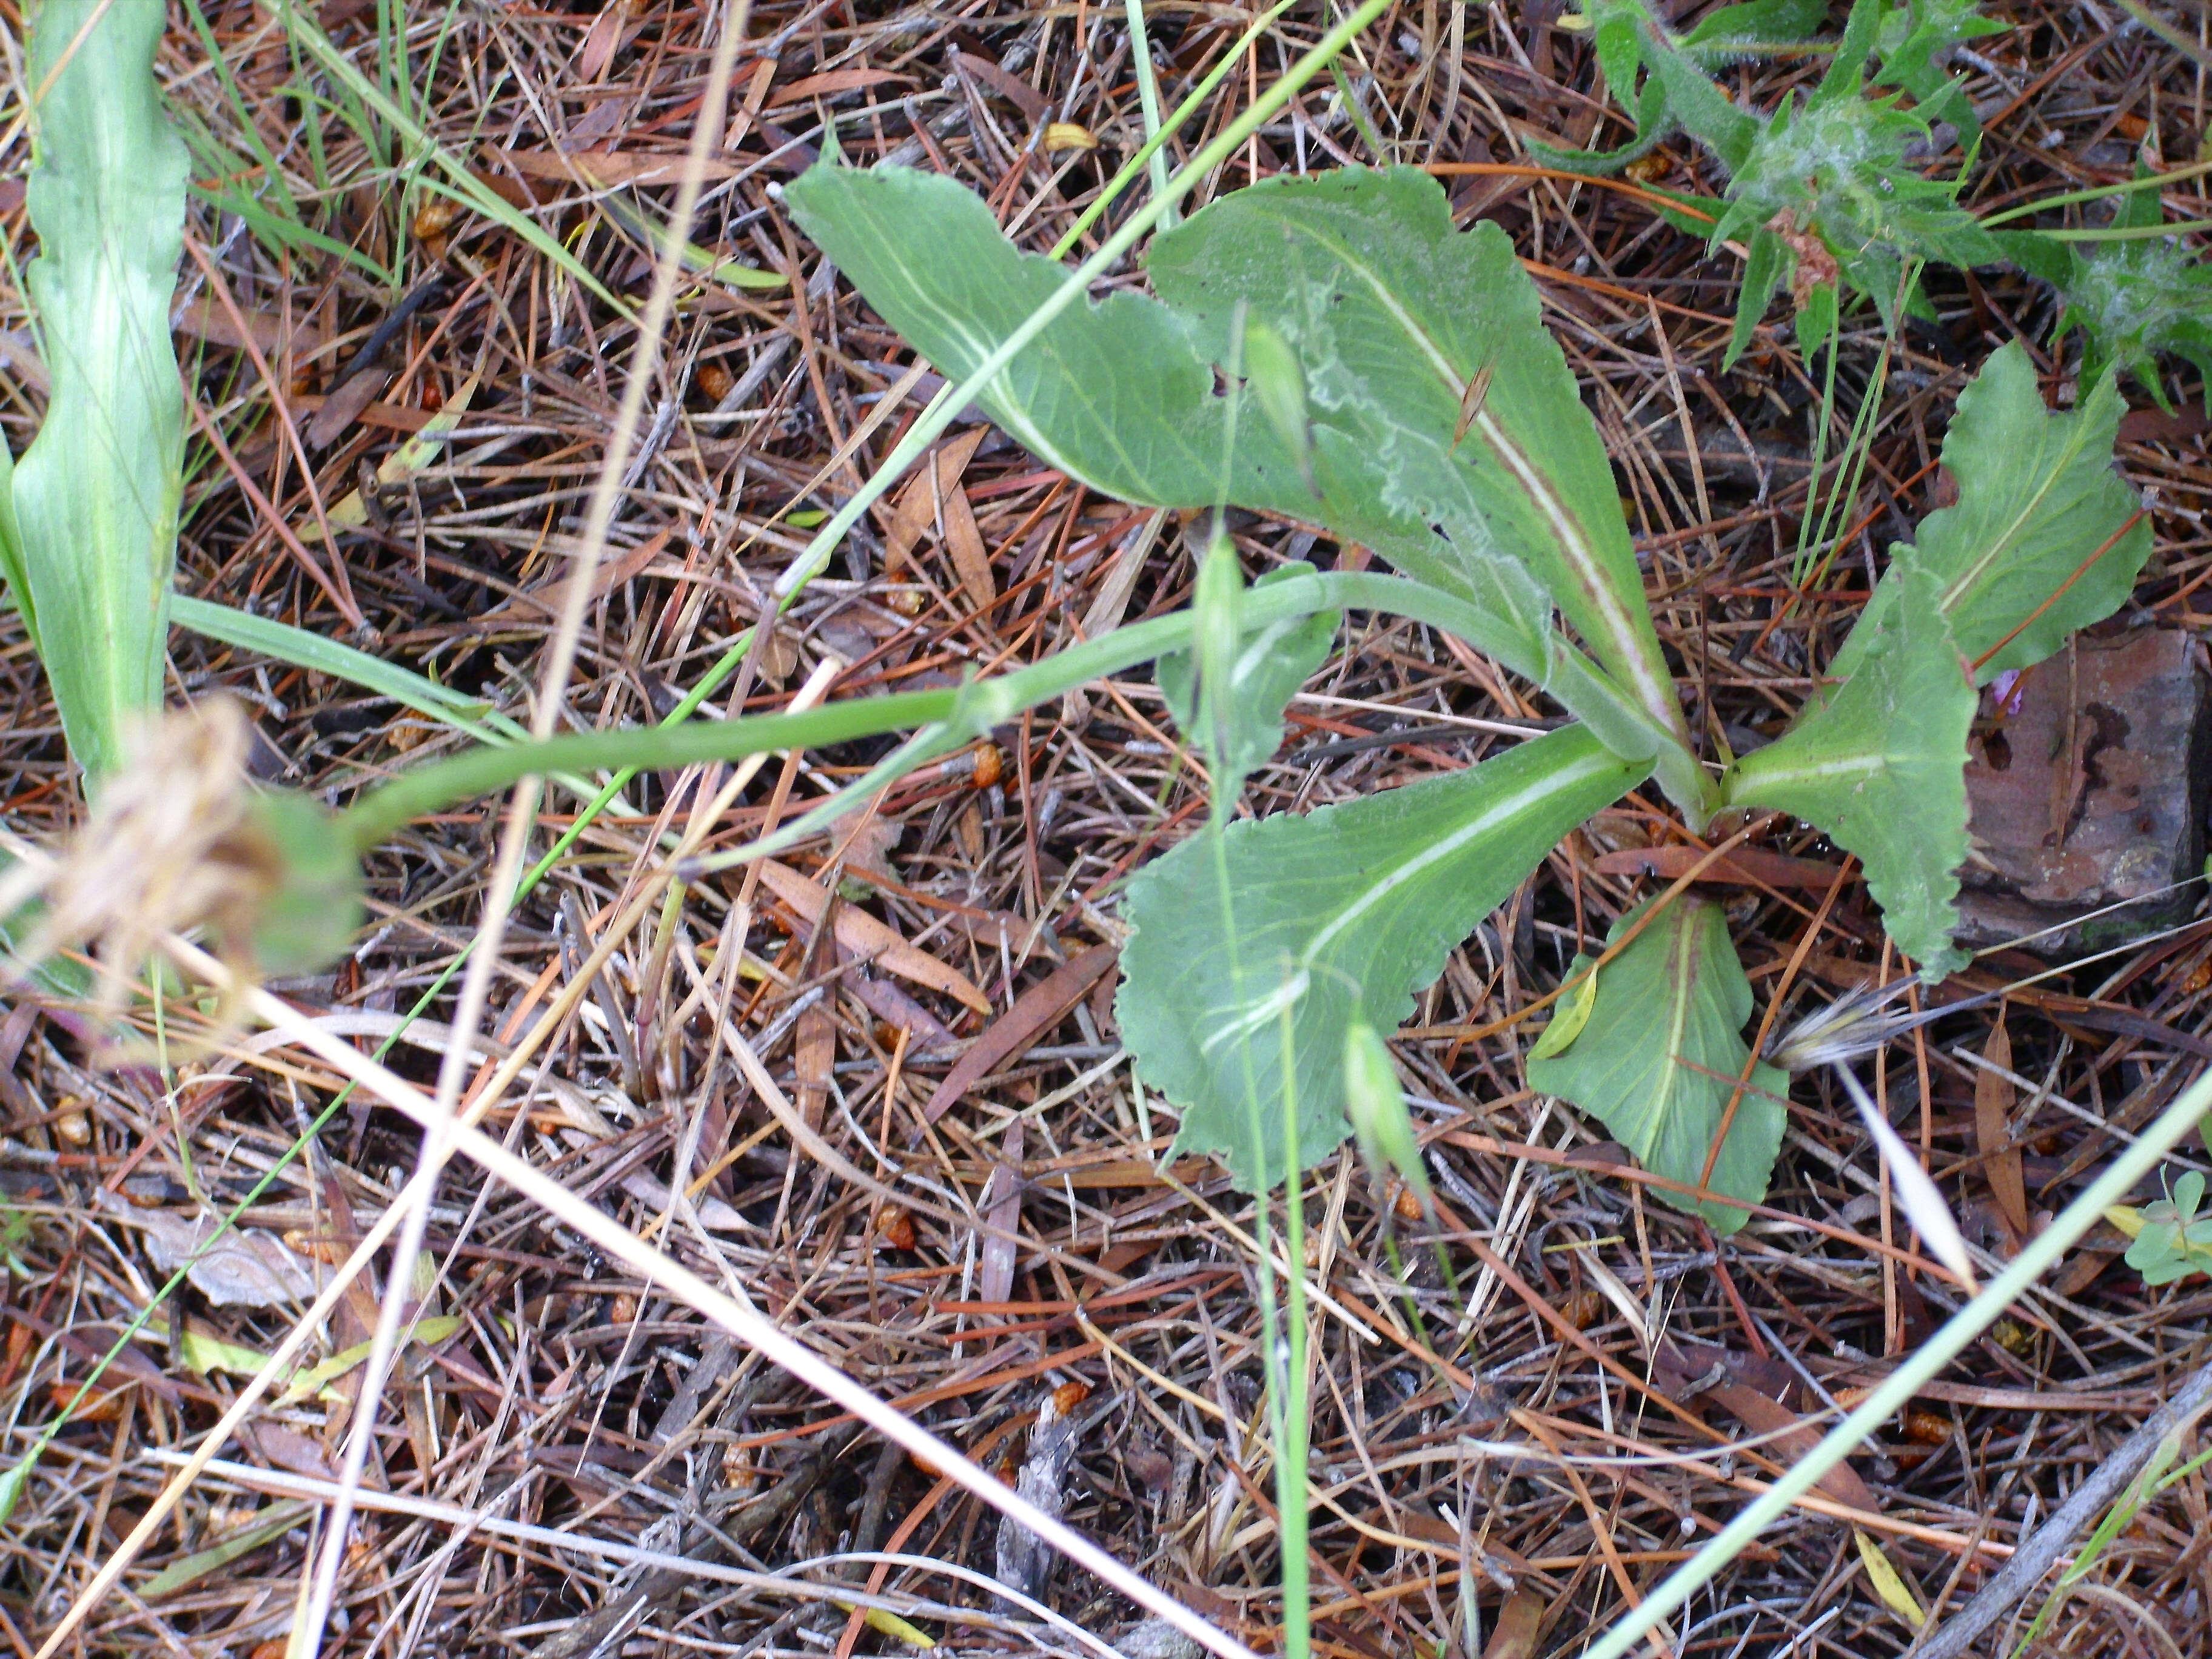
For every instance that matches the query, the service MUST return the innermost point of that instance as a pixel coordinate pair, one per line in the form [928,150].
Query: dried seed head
[180,841]
[163,850]
[1853,1024]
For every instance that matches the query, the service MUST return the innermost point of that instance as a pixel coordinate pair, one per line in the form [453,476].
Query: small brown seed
[714,381]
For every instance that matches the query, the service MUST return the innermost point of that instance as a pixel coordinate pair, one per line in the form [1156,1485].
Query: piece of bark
[1023,1558]
[2089,796]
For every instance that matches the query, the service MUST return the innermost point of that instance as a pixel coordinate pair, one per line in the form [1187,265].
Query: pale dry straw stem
[476,984]
[744,1322]
[414,1196]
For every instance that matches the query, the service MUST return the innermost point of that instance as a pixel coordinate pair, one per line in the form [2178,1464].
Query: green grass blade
[1917,1369]
[308,36]
[95,495]
[304,649]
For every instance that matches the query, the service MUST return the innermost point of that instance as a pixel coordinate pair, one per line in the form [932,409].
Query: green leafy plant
[1437,423]
[2171,1238]
[1825,193]
[1404,393]
[1336,350]
[2133,297]
[1829,196]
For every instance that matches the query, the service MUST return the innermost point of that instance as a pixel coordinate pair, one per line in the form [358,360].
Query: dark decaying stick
[2019,1576]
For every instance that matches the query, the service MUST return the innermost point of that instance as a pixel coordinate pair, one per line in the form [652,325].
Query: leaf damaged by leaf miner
[1881,766]
[1397,318]
[1656,1058]
[1341,914]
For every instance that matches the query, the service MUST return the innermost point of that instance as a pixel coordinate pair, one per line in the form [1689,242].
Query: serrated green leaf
[1658,1059]
[96,494]
[1915,43]
[1339,916]
[1265,672]
[1882,768]
[2038,498]
[1426,359]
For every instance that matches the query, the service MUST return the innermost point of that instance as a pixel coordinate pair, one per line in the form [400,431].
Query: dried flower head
[178,841]
[1853,1024]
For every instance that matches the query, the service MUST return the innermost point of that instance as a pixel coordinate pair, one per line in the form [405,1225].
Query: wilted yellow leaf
[1886,1583]
[887,1623]
[316,1378]
[1574,1013]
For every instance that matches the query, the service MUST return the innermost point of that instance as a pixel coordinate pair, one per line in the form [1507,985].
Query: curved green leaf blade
[96,493]
[1426,358]
[1124,394]
[2039,508]
[1656,1059]
[1882,767]
[303,649]
[1339,916]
